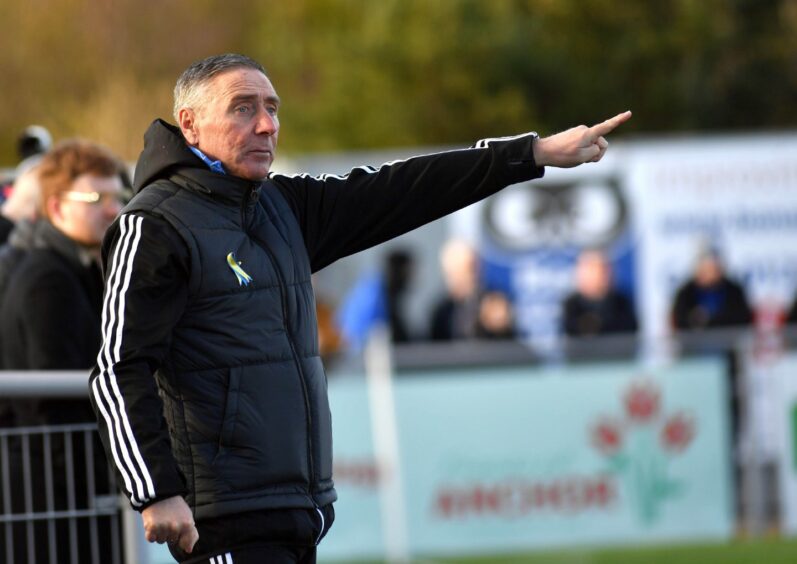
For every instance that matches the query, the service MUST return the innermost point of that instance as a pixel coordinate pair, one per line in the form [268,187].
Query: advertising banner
[652,206]
[511,459]
[738,195]
[530,235]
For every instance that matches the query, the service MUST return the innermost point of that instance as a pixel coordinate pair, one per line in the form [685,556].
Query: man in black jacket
[51,321]
[595,307]
[52,301]
[208,289]
[710,299]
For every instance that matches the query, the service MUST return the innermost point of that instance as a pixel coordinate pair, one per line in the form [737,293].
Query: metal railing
[58,497]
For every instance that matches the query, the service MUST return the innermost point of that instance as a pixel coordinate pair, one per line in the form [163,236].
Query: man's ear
[53,208]
[187,123]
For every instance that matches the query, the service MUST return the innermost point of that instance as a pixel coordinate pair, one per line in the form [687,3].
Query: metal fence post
[135,547]
[379,376]
[750,453]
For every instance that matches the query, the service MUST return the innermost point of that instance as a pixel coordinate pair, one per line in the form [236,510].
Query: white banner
[738,193]
[515,458]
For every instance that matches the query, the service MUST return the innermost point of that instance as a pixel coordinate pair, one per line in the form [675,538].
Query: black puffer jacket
[208,287]
[51,318]
[51,302]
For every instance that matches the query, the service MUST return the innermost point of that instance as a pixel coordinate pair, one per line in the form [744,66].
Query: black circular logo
[526,216]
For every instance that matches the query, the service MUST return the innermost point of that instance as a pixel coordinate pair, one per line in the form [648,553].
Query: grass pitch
[759,551]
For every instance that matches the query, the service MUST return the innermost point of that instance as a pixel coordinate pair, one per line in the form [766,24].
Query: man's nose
[267,123]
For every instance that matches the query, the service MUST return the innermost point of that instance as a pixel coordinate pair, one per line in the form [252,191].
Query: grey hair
[189,92]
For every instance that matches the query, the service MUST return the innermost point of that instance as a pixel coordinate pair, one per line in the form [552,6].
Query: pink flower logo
[607,437]
[642,402]
[677,433]
[641,443]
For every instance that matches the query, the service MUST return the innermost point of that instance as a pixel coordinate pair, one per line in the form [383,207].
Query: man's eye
[272,110]
[242,109]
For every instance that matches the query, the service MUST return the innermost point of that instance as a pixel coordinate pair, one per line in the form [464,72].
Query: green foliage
[358,74]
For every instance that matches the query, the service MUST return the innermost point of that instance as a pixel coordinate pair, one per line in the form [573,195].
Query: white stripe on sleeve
[484,143]
[120,431]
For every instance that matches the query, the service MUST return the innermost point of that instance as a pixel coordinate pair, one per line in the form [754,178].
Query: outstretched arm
[341,215]
[577,145]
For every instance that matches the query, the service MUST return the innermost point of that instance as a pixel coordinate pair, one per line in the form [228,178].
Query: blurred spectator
[34,140]
[378,297]
[329,338]
[22,202]
[456,315]
[32,143]
[399,268]
[52,306]
[51,310]
[23,207]
[595,307]
[6,225]
[710,298]
[496,317]
[791,316]
[467,311]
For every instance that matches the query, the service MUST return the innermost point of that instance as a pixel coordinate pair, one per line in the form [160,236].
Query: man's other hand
[170,520]
[577,145]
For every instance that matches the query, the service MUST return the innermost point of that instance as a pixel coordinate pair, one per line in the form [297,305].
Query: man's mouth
[260,152]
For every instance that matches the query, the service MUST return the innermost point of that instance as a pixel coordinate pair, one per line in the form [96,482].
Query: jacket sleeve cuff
[518,155]
[165,494]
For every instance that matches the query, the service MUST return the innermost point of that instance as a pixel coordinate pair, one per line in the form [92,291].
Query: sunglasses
[105,198]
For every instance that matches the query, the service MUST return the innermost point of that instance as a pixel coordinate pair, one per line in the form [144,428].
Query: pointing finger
[607,126]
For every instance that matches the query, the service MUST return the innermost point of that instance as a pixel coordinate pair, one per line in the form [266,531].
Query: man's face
[708,272]
[87,209]
[593,275]
[237,124]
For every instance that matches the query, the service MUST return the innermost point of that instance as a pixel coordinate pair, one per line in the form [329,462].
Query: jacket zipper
[286,325]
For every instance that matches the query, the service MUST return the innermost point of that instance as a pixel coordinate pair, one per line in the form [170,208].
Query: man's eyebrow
[250,97]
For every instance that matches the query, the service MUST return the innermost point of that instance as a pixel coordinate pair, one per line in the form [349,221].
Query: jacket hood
[167,156]
[164,151]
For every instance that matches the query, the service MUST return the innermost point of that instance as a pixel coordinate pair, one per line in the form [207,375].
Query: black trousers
[278,536]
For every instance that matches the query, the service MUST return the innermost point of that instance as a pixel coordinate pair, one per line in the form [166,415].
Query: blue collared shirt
[215,166]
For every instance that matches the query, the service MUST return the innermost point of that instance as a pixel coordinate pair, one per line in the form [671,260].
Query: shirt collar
[215,166]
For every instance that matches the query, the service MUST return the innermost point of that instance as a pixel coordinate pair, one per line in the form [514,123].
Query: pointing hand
[577,145]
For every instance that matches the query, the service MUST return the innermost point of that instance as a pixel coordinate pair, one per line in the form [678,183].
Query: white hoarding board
[738,194]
